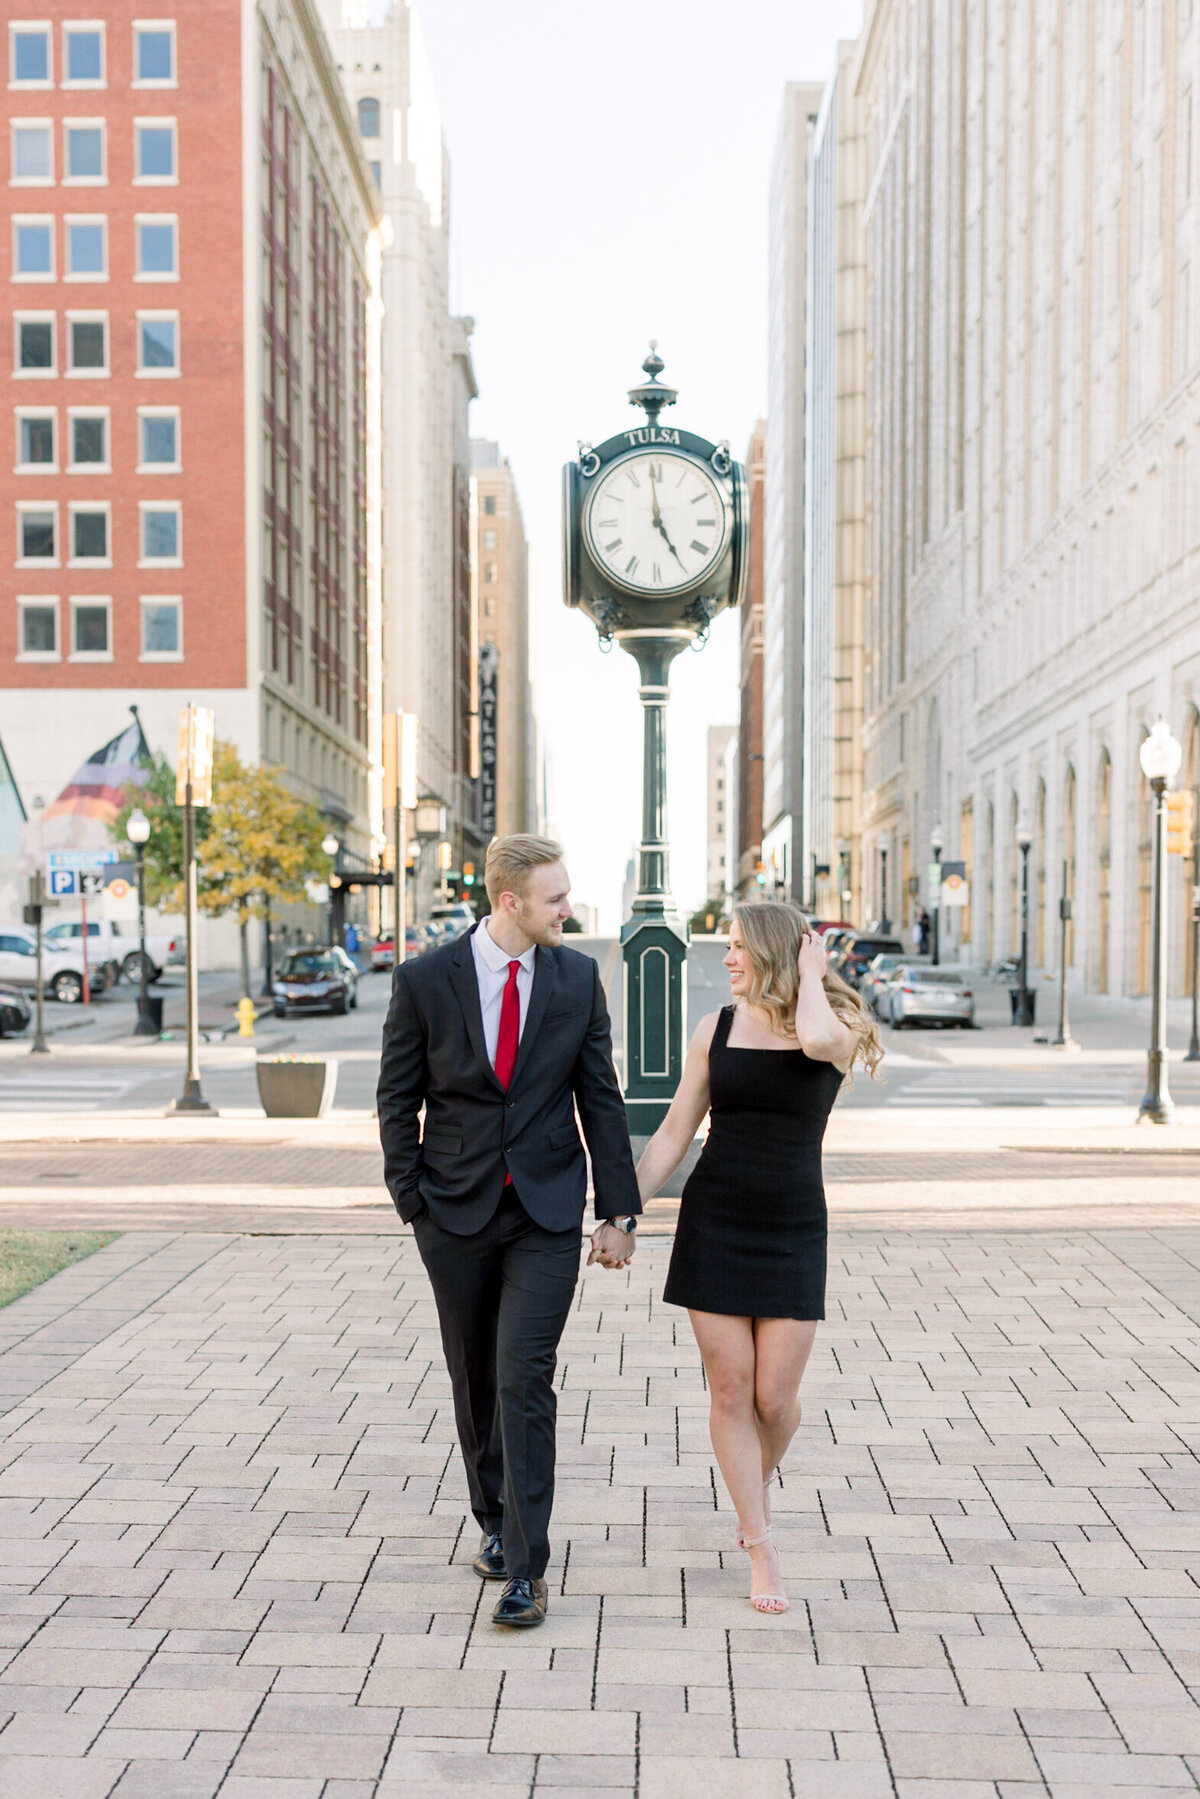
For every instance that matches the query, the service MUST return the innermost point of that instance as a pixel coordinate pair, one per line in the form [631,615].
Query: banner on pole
[197,730]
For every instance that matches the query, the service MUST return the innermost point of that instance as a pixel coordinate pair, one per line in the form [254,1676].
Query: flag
[12,812]
[97,789]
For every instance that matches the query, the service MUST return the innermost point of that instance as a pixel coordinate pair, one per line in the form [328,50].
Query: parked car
[837,938]
[383,955]
[112,940]
[455,917]
[850,959]
[15,1011]
[62,968]
[873,986]
[918,994]
[823,926]
[315,980]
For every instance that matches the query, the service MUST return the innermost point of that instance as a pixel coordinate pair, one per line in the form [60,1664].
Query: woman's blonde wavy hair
[771,931]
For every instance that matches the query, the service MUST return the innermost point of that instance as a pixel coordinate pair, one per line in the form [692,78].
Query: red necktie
[510,1028]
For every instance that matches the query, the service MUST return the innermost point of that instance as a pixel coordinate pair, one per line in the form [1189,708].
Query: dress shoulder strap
[724,1025]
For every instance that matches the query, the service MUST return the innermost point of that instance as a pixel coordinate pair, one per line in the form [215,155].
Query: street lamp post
[885,844]
[937,843]
[331,845]
[1064,1039]
[1193,1048]
[138,832]
[1023,1014]
[1160,756]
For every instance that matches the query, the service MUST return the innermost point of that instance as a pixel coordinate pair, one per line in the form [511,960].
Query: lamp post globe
[137,830]
[655,545]
[1160,755]
[331,846]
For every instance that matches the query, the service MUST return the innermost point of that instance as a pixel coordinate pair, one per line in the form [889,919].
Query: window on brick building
[91,628]
[158,344]
[32,153]
[33,249]
[35,441]
[489,573]
[83,152]
[154,55]
[368,116]
[37,533]
[29,56]
[160,527]
[88,439]
[157,249]
[154,151]
[87,344]
[89,532]
[162,628]
[87,249]
[158,440]
[34,353]
[489,540]
[489,504]
[38,629]
[83,56]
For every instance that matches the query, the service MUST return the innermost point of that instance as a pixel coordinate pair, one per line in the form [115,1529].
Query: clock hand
[658,520]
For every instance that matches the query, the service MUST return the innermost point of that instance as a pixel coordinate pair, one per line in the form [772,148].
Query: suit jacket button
[512,1105]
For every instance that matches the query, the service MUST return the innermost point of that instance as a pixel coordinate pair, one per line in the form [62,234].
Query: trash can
[150,1013]
[1014,998]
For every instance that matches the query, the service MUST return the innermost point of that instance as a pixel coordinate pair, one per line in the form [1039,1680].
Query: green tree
[261,845]
[256,845]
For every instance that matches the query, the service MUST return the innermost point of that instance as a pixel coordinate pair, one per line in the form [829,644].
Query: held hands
[812,960]
[611,1247]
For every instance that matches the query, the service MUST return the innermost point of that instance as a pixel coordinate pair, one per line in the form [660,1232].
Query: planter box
[296,1089]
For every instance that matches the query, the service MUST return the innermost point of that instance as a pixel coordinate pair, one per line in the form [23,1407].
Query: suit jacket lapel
[545,979]
[466,986]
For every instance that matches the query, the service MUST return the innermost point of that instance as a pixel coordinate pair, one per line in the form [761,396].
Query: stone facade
[1033,357]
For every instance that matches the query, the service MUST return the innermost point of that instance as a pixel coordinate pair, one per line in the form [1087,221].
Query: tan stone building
[1032,218]
[500,576]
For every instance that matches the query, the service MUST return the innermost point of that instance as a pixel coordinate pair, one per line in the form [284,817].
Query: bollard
[245,1013]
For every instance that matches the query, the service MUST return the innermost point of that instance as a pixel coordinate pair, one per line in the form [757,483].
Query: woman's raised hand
[812,960]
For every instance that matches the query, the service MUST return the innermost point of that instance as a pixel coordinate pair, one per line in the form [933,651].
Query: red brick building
[191,384]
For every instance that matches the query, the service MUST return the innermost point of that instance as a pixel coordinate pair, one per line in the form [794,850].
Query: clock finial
[652,394]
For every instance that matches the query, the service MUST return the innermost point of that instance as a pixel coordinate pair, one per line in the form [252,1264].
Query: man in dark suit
[501,1035]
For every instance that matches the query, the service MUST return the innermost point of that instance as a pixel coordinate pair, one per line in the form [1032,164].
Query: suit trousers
[503,1296]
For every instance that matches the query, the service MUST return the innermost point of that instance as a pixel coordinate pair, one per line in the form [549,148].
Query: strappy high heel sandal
[771,1604]
[741,1535]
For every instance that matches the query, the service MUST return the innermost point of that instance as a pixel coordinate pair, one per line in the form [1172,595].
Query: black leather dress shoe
[523,1602]
[489,1563]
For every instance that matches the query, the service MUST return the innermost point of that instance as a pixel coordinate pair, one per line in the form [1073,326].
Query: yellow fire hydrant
[245,1014]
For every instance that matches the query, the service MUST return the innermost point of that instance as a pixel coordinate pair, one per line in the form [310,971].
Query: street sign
[81,859]
[954,889]
[119,889]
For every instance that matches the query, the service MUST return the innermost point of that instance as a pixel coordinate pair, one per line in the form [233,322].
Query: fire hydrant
[245,1015]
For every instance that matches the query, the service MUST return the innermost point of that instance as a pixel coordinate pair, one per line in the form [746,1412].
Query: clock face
[656,522]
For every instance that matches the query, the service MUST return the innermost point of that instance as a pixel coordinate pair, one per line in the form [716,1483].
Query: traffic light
[760,874]
[468,874]
[1181,822]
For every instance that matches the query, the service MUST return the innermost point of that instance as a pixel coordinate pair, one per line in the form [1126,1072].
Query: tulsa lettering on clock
[651,434]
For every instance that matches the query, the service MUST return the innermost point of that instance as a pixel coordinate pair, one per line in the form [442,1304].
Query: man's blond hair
[511,861]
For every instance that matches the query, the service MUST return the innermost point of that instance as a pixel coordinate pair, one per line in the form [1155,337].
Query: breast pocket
[565,1138]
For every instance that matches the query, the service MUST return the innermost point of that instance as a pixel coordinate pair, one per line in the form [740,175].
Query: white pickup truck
[115,942]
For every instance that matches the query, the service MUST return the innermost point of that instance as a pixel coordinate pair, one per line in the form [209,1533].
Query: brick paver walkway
[235,1550]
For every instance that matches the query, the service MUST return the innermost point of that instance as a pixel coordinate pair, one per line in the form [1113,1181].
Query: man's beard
[548,935]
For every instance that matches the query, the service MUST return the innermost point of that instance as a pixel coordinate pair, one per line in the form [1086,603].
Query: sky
[610,169]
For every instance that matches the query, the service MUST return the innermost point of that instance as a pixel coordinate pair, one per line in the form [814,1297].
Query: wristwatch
[627,1225]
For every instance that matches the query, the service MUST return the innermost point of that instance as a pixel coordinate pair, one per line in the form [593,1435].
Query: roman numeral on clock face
[702,548]
[631,565]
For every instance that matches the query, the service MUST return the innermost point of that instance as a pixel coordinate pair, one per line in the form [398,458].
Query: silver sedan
[917,994]
[872,988]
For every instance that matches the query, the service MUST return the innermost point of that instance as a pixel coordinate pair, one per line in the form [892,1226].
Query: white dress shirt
[491,971]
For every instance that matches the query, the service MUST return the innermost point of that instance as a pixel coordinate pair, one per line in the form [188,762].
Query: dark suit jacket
[434,1055]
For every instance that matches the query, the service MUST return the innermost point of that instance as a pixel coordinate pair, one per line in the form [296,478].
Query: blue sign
[80,859]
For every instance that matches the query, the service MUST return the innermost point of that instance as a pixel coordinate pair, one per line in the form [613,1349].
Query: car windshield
[937,977]
[311,963]
[868,947]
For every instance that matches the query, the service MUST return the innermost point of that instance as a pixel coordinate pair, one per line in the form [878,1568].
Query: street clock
[655,524]
[655,545]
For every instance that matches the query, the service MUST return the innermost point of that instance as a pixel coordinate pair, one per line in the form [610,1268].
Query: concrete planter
[296,1089]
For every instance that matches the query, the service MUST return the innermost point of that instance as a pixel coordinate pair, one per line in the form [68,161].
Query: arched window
[368,116]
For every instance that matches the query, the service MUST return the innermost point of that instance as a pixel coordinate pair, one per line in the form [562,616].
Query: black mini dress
[752,1229]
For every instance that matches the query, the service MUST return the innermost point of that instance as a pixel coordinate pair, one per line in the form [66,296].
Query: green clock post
[655,545]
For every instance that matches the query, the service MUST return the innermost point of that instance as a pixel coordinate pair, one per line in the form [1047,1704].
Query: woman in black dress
[749,1254]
